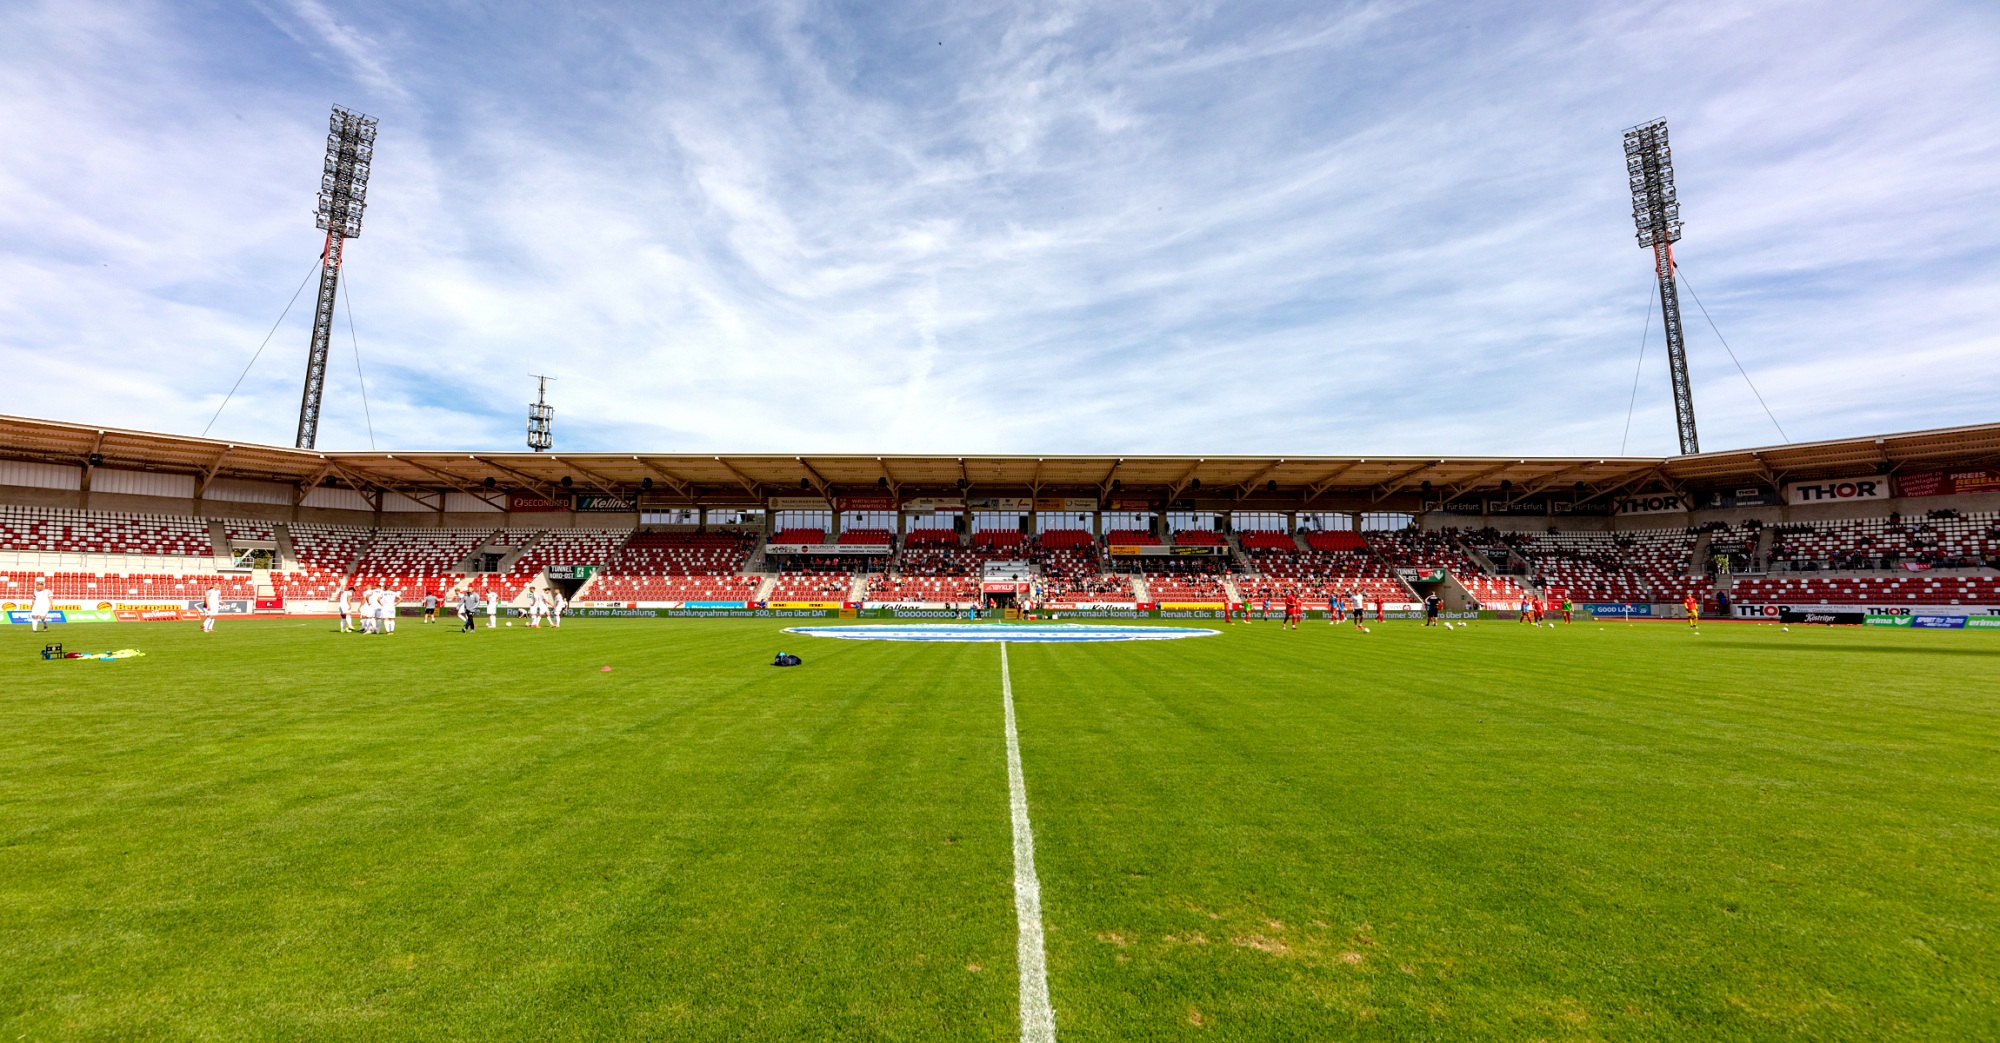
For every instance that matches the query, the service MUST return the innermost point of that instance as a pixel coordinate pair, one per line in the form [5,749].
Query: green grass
[1598,832]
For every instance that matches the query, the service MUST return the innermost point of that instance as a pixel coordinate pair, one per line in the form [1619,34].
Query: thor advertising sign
[1653,503]
[1840,491]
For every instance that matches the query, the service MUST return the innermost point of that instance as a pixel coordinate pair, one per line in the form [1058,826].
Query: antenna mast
[343,194]
[541,417]
[1656,211]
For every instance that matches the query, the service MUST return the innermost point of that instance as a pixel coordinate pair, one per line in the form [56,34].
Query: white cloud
[1038,228]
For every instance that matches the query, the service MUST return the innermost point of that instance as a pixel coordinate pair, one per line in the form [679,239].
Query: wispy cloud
[1040,227]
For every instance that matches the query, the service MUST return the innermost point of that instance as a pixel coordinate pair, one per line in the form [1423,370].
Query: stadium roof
[1322,482]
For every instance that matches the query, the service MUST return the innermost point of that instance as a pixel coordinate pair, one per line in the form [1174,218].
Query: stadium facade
[132,525]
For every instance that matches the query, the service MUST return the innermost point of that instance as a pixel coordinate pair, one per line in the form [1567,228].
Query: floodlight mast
[343,194]
[541,417]
[1656,211]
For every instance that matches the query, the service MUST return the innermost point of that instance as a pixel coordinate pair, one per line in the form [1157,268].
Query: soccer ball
[510,622]
[1366,630]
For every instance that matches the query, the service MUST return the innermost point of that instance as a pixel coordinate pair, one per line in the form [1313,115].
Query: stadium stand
[1887,590]
[56,530]
[1199,538]
[805,536]
[1131,538]
[1639,565]
[249,531]
[657,565]
[866,538]
[931,538]
[414,562]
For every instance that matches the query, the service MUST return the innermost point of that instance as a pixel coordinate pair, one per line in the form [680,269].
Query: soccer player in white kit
[371,609]
[389,598]
[561,604]
[211,607]
[347,610]
[492,609]
[38,610]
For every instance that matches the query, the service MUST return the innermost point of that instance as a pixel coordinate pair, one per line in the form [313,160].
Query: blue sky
[1030,227]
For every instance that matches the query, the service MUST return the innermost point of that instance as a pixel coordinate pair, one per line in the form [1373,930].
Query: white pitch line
[1038,1019]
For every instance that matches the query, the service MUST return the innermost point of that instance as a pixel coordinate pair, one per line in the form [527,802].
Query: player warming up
[211,607]
[1692,606]
[38,610]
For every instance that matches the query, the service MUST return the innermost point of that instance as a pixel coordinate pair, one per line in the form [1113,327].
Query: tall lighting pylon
[343,194]
[541,418]
[1649,166]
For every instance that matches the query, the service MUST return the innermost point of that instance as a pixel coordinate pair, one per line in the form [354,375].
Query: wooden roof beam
[1388,487]
[1249,485]
[1313,490]
[533,482]
[742,479]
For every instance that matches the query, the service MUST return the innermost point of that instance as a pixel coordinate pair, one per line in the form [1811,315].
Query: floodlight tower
[1649,166]
[541,417]
[343,194]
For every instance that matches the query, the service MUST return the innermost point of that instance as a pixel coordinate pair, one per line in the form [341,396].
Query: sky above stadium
[1377,228]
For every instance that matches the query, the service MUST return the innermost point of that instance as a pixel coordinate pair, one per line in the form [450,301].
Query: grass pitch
[1603,831]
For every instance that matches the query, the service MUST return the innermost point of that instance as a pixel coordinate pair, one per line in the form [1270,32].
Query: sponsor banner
[529,503]
[808,604]
[1533,505]
[69,615]
[572,571]
[935,505]
[1982,622]
[152,615]
[229,608]
[1000,503]
[1150,550]
[1588,509]
[1652,503]
[1876,620]
[994,587]
[1824,616]
[1749,496]
[1839,491]
[1949,483]
[1189,606]
[714,604]
[1132,505]
[1934,622]
[799,503]
[829,548]
[1471,506]
[866,503]
[604,503]
[1423,575]
[1077,504]
[1617,611]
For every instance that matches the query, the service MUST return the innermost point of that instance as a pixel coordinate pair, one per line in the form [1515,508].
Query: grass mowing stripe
[1038,1020]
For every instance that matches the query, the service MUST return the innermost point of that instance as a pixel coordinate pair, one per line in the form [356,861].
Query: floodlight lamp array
[343,182]
[1649,167]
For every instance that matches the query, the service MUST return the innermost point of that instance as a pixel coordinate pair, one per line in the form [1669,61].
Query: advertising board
[1652,503]
[1828,616]
[1618,610]
[1842,490]
[529,503]
[1949,483]
[799,503]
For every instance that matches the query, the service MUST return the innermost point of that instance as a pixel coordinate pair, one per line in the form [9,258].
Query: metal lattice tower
[541,418]
[1649,166]
[343,194]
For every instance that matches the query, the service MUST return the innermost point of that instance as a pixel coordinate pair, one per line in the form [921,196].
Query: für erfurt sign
[1837,491]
